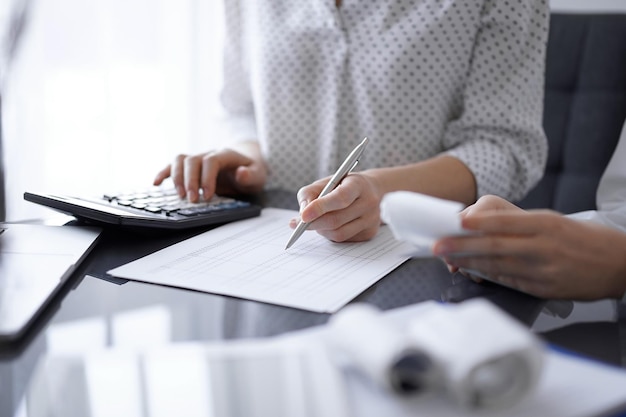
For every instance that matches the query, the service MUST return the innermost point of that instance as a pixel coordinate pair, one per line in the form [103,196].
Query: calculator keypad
[166,201]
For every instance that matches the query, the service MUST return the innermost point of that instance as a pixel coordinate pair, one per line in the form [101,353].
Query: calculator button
[200,210]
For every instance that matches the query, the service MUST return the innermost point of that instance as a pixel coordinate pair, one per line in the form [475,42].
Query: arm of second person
[542,253]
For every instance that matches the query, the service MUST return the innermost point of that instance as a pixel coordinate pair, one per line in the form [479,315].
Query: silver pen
[348,165]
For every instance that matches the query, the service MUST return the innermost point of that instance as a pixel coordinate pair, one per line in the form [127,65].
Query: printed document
[247,259]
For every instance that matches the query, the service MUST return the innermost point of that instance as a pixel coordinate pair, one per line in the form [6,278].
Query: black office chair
[584,111]
[585,107]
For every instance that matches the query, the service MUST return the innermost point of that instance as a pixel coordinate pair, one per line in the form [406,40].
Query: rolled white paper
[489,360]
[383,353]
[420,219]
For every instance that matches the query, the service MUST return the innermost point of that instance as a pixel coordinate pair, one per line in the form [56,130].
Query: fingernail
[181,191]
[193,196]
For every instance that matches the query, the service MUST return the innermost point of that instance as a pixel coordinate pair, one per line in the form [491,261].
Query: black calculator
[153,208]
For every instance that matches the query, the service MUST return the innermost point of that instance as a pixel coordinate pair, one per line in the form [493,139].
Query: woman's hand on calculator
[240,170]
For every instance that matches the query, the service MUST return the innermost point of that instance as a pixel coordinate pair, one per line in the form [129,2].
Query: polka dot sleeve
[238,121]
[498,134]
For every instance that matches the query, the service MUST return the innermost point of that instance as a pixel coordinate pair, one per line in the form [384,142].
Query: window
[104,93]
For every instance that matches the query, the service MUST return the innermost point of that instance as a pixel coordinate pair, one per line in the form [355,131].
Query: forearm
[443,176]
[619,290]
[499,134]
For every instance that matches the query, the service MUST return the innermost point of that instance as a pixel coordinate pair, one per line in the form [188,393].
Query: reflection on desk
[290,375]
[99,314]
[251,379]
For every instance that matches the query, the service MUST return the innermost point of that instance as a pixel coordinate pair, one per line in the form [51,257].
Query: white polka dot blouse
[419,78]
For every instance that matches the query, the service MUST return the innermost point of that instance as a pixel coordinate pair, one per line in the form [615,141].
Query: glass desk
[95,312]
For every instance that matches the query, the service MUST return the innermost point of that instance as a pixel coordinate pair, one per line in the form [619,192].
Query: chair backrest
[585,107]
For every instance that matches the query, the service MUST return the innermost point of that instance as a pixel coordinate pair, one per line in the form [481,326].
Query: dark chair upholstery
[585,107]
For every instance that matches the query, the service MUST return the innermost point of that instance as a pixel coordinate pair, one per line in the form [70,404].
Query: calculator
[153,208]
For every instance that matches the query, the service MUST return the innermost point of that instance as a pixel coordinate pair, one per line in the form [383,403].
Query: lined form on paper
[247,259]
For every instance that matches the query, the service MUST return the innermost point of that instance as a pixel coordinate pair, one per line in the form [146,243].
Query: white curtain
[104,93]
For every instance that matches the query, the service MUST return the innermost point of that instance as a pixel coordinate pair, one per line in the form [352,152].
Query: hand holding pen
[346,167]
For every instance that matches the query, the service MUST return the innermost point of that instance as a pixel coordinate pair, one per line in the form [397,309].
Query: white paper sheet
[247,259]
[420,219]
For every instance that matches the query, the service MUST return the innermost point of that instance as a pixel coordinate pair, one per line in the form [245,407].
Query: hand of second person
[485,204]
[542,253]
[224,172]
[349,213]
[490,203]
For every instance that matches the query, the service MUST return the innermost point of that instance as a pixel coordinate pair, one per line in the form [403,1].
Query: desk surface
[95,313]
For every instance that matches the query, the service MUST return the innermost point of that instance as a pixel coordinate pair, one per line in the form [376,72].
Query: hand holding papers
[420,220]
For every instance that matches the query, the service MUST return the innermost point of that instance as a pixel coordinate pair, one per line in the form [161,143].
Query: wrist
[620,277]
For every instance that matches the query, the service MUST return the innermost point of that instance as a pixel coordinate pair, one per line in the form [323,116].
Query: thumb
[251,177]
[310,192]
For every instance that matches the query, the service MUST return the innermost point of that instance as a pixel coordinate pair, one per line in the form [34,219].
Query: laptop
[35,262]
